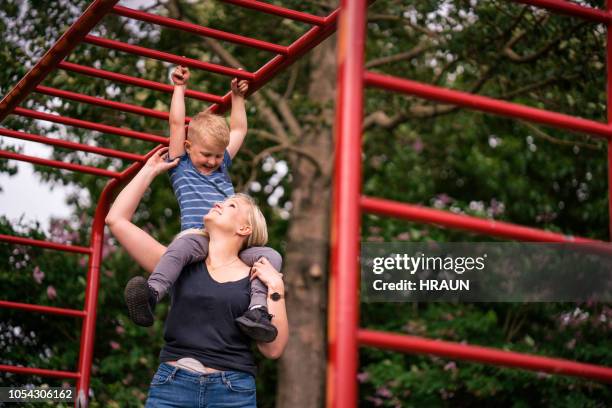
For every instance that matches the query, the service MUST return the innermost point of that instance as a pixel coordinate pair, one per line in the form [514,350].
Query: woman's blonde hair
[255,219]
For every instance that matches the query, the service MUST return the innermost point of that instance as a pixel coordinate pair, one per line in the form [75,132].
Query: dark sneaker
[256,324]
[141,300]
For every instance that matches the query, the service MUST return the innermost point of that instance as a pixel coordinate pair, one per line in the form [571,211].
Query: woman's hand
[266,273]
[158,162]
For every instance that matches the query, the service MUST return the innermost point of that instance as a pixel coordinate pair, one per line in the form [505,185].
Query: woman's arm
[141,246]
[263,270]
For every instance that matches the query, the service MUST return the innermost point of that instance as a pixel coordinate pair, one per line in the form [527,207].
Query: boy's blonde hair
[210,127]
[255,219]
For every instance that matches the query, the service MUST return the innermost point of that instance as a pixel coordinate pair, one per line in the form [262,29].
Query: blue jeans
[176,387]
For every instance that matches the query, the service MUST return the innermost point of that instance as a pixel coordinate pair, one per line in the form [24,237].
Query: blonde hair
[210,127]
[255,218]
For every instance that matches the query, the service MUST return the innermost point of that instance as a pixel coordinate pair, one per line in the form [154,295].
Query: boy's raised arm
[238,118]
[180,76]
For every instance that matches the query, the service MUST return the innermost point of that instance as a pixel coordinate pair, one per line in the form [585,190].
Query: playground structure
[348,204]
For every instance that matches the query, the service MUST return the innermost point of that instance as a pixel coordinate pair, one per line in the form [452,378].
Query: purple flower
[403,236]
[418,145]
[445,198]
[363,377]
[384,392]
[114,345]
[51,293]
[376,401]
[38,275]
[450,366]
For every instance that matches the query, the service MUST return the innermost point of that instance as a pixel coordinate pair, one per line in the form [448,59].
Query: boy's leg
[142,295]
[259,294]
[251,255]
[255,322]
[184,250]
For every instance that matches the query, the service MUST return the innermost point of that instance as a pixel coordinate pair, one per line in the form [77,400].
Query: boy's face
[205,157]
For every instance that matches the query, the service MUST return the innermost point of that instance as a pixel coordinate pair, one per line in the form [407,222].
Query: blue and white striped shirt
[197,193]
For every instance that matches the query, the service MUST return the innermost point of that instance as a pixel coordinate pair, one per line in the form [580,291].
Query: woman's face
[232,214]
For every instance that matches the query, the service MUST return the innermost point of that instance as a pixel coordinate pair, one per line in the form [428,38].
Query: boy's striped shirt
[196,193]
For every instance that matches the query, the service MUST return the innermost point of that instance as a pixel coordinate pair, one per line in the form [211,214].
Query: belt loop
[174,371]
[223,379]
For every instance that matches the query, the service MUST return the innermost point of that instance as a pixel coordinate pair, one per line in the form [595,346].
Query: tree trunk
[302,367]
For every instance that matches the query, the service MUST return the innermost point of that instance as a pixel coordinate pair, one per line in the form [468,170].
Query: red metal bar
[90,125]
[305,43]
[164,56]
[418,345]
[279,11]
[67,42]
[44,244]
[71,145]
[491,105]
[42,309]
[92,100]
[197,29]
[464,222]
[346,215]
[144,83]
[61,165]
[39,371]
[570,9]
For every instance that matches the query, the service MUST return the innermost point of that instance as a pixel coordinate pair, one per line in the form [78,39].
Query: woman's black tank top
[200,323]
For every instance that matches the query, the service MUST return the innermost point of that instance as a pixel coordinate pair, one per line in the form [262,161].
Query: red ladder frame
[77,33]
[344,334]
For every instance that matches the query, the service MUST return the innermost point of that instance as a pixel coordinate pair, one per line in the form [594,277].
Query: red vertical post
[609,107]
[346,212]
[88,331]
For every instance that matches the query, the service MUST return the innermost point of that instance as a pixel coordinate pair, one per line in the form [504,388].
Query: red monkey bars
[284,56]
[344,334]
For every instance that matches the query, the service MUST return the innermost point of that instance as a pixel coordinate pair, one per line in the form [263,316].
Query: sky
[24,195]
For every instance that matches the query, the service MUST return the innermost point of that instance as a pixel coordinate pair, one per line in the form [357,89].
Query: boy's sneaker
[256,324]
[141,300]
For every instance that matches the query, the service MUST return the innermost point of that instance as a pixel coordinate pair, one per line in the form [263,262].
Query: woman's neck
[223,249]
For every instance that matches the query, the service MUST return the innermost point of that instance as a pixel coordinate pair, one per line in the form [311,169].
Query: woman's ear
[245,230]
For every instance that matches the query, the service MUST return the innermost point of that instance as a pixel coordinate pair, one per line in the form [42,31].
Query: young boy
[199,181]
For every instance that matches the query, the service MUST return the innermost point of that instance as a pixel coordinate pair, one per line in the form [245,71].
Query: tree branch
[286,146]
[513,56]
[536,85]
[293,75]
[408,55]
[286,113]
[373,17]
[543,135]
[254,166]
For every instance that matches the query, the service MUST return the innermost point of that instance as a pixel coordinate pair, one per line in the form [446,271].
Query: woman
[206,360]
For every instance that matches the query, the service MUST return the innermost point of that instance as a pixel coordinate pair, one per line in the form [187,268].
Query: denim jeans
[175,387]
